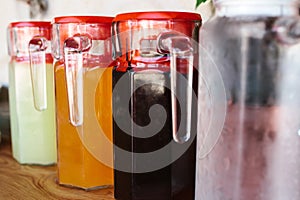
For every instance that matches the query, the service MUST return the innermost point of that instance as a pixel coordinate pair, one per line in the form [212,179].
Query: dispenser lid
[22,32]
[157,15]
[82,19]
[45,24]
[256,7]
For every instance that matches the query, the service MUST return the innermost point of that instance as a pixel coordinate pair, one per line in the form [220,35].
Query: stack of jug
[138,113]
[155,55]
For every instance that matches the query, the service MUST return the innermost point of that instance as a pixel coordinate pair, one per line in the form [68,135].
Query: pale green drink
[33,132]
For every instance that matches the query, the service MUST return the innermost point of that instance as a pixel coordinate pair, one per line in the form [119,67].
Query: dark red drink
[142,98]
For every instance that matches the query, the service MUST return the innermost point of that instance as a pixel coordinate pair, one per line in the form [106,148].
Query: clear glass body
[257,153]
[141,81]
[33,131]
[78,130]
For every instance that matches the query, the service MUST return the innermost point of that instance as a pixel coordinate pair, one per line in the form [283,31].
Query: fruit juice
[77,163]
[175,181]
[33,131]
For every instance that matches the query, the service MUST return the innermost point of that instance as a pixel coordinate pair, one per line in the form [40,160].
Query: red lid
[45,24]
[84,19]
[157,15]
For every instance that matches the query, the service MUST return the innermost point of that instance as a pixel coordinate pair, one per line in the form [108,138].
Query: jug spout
[287,30]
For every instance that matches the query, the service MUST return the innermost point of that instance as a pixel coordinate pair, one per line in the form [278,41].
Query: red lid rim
[158,15]
[45,24]
[82,19]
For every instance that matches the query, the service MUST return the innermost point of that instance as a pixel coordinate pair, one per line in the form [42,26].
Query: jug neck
[266,8]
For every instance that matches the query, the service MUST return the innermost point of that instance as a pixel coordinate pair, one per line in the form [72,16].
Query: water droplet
[299,132]
[226,163]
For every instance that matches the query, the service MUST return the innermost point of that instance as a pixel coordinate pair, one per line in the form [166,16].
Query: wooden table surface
[22,182]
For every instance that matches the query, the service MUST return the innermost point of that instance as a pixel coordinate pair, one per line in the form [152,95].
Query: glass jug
[83,81]
[153,105]
[255,47]
[31,93]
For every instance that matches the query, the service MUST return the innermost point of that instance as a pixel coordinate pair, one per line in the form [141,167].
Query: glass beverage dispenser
[153,105]
[255,46]
[31,93]
[83,80]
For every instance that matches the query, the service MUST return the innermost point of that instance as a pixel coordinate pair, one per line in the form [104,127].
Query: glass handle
[37,53]
[287,30]
[74,49]
[181,74]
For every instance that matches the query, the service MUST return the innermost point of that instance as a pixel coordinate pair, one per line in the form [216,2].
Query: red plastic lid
[84,19]
[45,24]
[157,15]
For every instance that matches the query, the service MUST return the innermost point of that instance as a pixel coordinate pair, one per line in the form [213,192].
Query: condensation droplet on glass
[227,163]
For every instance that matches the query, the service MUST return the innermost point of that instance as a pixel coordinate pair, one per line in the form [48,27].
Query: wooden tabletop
[22,182]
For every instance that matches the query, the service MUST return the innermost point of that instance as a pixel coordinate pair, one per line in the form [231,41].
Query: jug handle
[74,49]
[180,49]
[287,30]
[37,54]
